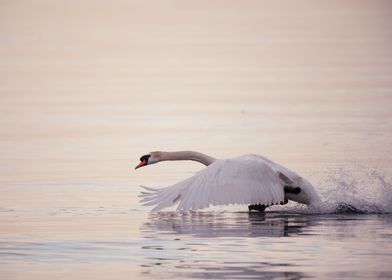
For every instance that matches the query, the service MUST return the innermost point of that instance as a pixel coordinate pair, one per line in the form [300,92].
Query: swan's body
[248,179]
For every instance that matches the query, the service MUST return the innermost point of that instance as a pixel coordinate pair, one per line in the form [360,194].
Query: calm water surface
[86,88]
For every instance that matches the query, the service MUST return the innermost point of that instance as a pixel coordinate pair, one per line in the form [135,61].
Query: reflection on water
[212,245]
[221,224]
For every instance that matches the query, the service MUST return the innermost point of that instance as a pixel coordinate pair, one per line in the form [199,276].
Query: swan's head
[147,159]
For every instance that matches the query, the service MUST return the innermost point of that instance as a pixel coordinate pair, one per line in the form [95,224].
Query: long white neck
[184,155]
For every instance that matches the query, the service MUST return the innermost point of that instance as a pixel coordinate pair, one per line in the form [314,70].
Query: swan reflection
[220,245]
[224,224]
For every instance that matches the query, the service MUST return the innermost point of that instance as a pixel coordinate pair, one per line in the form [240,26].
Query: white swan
[248,179]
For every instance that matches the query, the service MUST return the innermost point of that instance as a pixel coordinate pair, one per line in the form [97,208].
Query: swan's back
[308,194]
[248,179]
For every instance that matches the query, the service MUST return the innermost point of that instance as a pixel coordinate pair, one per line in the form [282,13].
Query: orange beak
[142,163]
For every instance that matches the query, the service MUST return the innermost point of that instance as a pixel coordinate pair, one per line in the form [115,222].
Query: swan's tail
[160,198]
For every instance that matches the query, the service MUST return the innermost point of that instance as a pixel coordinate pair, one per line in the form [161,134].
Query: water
[217,245]
[87,88]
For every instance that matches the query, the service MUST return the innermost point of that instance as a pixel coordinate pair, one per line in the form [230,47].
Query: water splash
[358,190]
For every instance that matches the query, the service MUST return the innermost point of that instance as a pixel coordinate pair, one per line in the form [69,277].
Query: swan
[248,179]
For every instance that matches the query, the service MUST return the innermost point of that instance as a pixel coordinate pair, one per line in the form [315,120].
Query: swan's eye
[145,158]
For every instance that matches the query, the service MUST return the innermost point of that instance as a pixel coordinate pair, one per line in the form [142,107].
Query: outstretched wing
[242,180]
